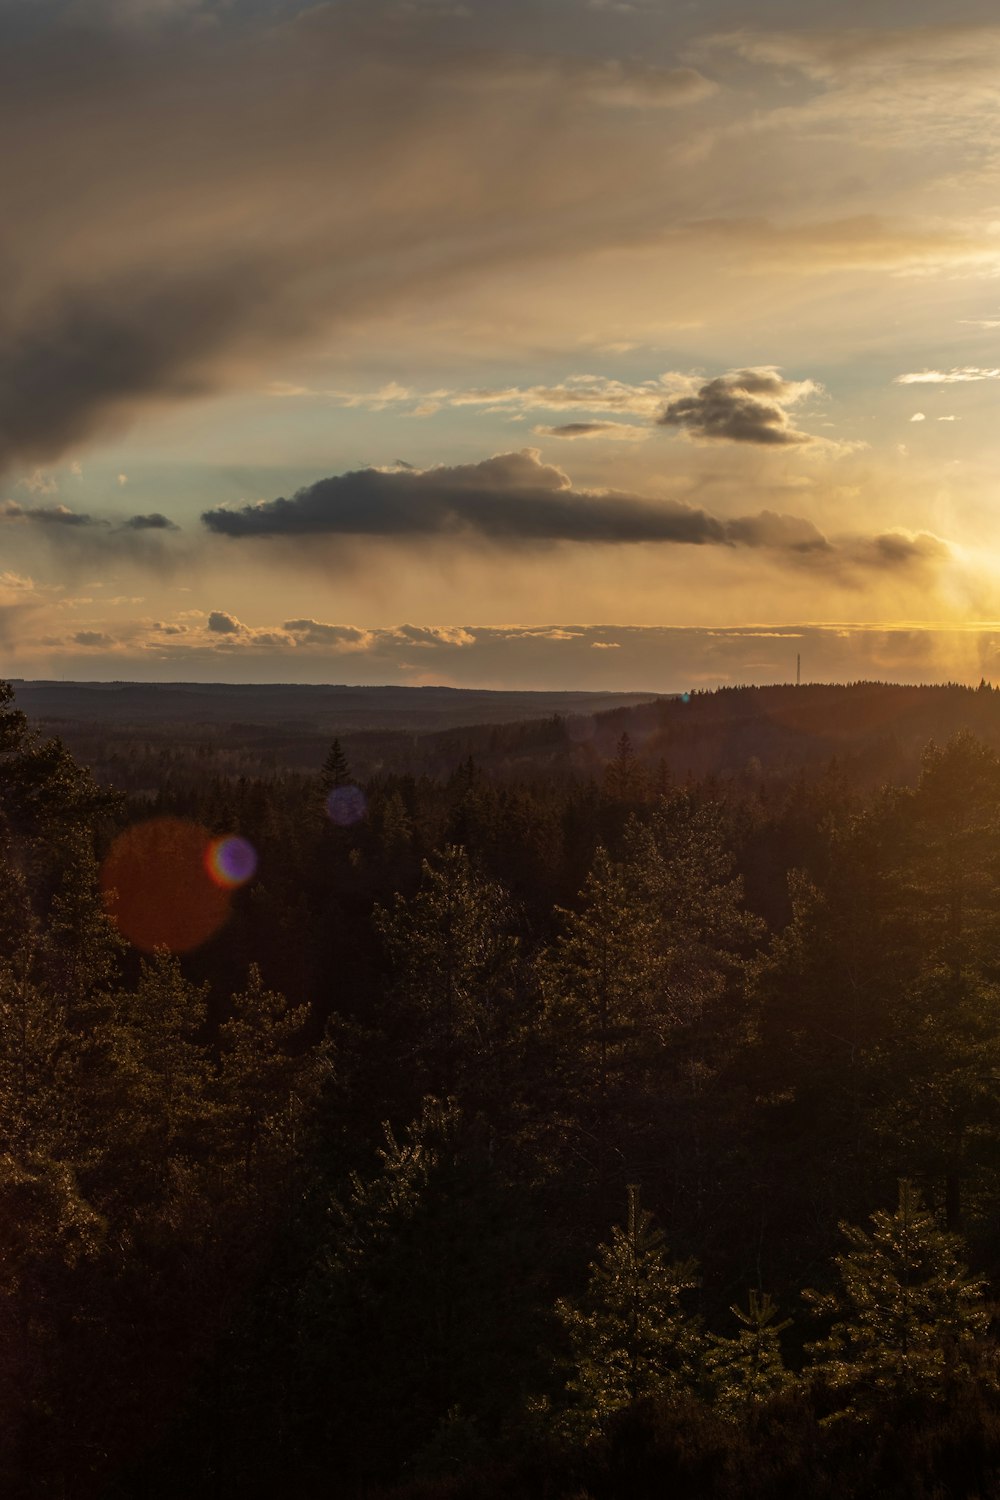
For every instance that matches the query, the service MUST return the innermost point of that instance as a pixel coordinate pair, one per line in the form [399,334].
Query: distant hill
[133,733]
[138,734]
[327,709]
[874,731]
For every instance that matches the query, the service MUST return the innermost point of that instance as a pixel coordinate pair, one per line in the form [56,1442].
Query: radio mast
[798,669]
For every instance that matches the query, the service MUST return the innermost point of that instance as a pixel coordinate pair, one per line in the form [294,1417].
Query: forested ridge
[147,737]
[567,1131]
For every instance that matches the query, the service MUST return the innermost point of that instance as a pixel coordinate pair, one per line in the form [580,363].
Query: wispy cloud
[615,83]
[584,392]
[965,375]
[39,482]
[741,406]
[952,53]
[78,539]
[907,78]
[618,432]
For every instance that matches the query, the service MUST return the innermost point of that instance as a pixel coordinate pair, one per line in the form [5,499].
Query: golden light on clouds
[380,314]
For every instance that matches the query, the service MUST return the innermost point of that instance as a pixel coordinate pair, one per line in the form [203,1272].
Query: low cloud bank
[626,657]
[515,498]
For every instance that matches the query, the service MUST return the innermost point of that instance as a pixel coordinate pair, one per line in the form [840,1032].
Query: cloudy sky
[557,343]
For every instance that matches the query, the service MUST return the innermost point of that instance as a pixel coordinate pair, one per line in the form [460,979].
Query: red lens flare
[157,888]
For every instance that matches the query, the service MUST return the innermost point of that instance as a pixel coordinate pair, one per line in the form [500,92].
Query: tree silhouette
[336,771]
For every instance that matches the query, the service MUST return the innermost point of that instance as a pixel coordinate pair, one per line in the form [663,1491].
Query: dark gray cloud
[220,623]
[625,431]
[62,516]
[316,633]
[153,522]
[93,638]
[745,406]
[514,498]
[47,515]
[82,358]
[575,429]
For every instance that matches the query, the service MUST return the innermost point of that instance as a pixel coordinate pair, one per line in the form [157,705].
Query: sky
[638,344]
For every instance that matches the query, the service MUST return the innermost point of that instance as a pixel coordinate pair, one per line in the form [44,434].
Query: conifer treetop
[907,1314]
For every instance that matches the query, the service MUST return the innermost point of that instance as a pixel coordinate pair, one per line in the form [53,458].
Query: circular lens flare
[346,806]
[231,861]
[157,889]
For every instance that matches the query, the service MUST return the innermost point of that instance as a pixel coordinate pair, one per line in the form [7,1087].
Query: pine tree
[49,1223]
[83,946]
[162,1108]
[630,1336]
[639,991]
[454,962]
[907,1314]
[947,1021]
[266,1080]
[599,987]
[948,862]
[748,1369]
[602,978]
[827,995]
[395,827]
[421,1310]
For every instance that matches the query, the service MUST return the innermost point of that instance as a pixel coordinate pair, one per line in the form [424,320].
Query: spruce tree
[630,1335]
[625,780]
[336,770]
[748,1369]
[907,1315]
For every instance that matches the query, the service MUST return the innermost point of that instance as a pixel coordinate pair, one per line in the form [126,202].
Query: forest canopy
[536,1130]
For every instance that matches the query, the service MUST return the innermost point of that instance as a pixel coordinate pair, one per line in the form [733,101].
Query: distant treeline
[126,729]
[872,732]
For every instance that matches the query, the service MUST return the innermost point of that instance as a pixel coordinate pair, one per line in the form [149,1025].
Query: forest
[538,1122]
